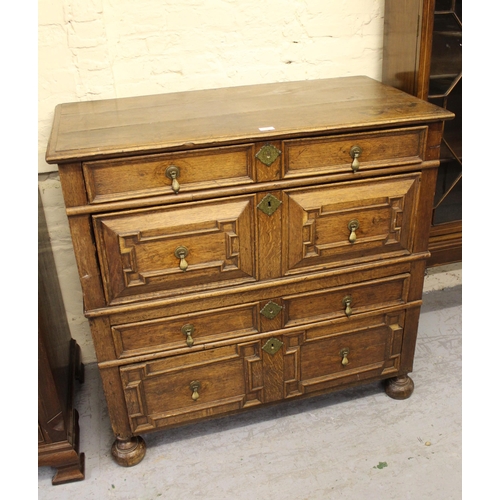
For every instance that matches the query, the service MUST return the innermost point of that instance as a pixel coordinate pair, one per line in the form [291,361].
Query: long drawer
[193,247]
[194,330]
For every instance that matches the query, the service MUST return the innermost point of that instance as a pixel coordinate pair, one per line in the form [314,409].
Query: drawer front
[119,179]
[307,157]
[193,386]
[331,355]
[186,331]
[346,301]
[176,249]
[349,223]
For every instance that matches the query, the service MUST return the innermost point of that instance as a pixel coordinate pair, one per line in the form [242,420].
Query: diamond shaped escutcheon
[272,346]
[271,310]
[269,204]
[268,154]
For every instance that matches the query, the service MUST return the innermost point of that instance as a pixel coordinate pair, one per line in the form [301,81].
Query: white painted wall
[99,49]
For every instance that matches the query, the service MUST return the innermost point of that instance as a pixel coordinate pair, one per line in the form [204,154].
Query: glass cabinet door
[445,90]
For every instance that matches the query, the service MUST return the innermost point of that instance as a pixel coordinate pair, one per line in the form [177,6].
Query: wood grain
[257,235]
[187,120]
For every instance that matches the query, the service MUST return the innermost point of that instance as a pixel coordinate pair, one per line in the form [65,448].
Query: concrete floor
[351,445]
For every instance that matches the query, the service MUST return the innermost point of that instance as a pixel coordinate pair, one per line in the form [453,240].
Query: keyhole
[269,203]
[272,347]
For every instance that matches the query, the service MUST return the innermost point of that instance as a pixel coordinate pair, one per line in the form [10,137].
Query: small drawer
[349,222]
[120,179]
[176,249]
[186,331]
[329,355]
[188,387]
[346,301]
[308,157]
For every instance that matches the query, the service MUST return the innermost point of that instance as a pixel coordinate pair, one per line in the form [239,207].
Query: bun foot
[399,387]
[129,451]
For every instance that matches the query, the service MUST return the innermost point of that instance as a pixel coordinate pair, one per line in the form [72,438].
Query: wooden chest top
[195,119]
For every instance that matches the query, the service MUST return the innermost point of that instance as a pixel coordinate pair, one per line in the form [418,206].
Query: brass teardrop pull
[344,352]
[195,388]
[188,331]
[353,226]
[355,154]
[181,253]
[347,301]
[173,173]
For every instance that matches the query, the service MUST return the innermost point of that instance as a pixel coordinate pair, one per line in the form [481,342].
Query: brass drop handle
[353,226]
[195,388]
[344,352]
[347,301]
[181,253]
[355,154]
[173,173]
[188,331]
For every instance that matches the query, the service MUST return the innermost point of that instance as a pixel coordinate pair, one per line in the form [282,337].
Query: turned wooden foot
[129,451]
[399,387]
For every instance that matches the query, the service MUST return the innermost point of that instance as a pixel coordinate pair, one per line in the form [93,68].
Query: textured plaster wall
[100,49]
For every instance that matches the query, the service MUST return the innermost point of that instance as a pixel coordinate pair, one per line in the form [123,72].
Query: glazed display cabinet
[423,56]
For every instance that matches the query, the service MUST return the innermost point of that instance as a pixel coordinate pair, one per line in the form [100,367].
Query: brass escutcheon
[268,154]
[271,310]
[272,346]
[269,204]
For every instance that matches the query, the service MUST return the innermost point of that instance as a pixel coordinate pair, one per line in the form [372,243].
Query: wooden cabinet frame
[407,64]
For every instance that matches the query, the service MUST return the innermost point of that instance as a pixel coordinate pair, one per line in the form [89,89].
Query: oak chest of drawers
[244,246]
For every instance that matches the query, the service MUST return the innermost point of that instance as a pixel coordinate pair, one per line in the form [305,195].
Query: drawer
[307,157]
[193,386]
[329,355]
[348,223]
[345,301]
[176,249]
[186,331]
[137,177]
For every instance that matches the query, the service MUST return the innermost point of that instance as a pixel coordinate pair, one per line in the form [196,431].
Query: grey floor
[356,444]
